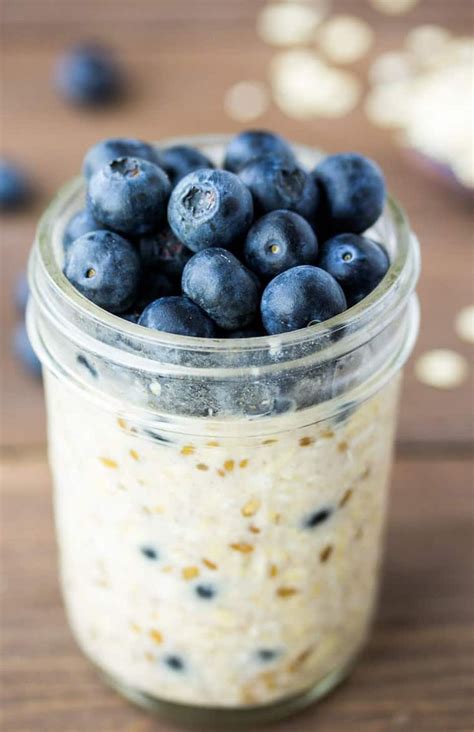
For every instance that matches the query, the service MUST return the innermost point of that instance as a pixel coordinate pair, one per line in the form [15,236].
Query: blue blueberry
[210,208]
[15,189]
[82,360]
[175,663]
[105,268]
[163,251]
[179,160]
[205,592]
[357,263]
[129,195]
[24,351]
[299,297]
[267,654]
[177,315]
[254,144]
[81,223]
[153,285]
[317,518]
[245,333]
[21,293]
[132,317]
[352,192]
[89,75]
[149,552]
[112,148]
[276,183]
[226,290]
[278,241]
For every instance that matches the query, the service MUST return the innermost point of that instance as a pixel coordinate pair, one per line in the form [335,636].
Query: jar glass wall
[220,504]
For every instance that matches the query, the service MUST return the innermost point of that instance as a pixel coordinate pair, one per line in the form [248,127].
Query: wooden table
[417,673]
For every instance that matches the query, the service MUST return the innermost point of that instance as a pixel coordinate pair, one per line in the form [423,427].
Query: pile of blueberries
[259,246]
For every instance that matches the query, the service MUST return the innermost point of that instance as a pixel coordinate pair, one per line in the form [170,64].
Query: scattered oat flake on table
[304,86]
[246,100]
[442,368]
[390,67]
[393,7]
[464,324]
[289,24]
[425,42]
[345,38]
[387,105]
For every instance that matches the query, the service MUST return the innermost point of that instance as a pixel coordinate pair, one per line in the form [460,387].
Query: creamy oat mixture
[219,572]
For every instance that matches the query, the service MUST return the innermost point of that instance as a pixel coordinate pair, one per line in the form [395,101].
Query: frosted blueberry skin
[357,263]
[252,144]
[81,223]
[129,195]
[352,192]
[210,208]
[112,148]
[223,287]
[89,75]
[299,297]
[278,241]
[105,268]
[178,315]
[24,351]
[15,189]
[180,160]
[164,252]
[276,183]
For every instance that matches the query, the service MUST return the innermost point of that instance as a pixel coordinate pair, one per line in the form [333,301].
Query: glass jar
[220,503]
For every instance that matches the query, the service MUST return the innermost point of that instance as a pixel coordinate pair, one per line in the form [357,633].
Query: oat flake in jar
[220,504]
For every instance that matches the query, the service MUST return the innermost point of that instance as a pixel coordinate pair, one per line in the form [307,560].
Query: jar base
[229,718]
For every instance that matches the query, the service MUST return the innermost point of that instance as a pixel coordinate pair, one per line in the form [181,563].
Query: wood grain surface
[181,56]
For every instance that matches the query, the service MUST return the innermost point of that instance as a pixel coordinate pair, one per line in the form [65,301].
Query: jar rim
[395,288]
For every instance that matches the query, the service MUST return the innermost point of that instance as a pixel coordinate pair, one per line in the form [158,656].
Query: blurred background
[389,78]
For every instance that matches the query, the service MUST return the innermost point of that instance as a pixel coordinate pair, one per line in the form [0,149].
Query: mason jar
[220,504]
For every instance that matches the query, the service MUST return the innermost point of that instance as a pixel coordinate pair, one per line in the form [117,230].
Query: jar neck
[167,376]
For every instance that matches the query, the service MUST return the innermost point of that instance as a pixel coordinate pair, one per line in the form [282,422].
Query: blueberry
[300,297]
[266,654]
[179,160]
[177,315]
[216,281]
[245,333]
[176,663]
[117,147]
[88,74]
[352,192]
[357,263]
[149,552]
[15,188]
[81,223]
[278,241]
[164,251]
[21,293]
[153,285]
[253,144]
[206,592]
[276,183]
[129,195]
[210,208]
[132,317]
[105,268]
[317,518]
[82,360]
[24,351]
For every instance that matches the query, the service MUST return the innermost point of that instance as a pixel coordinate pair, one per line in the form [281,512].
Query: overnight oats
[222,363]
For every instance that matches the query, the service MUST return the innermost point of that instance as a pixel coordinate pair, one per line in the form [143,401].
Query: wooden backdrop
[181,55]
